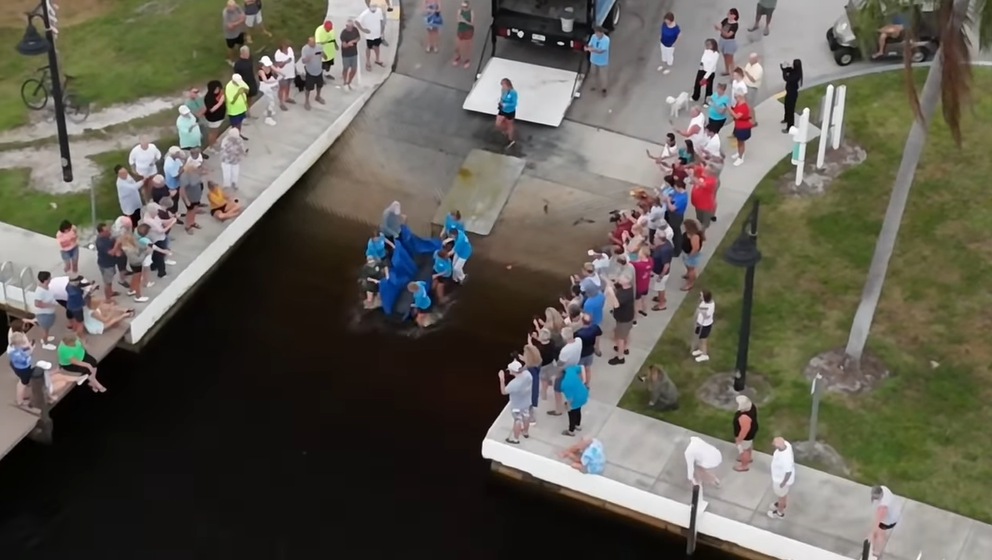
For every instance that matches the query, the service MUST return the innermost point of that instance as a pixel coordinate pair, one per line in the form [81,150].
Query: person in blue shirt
[376,247]
[507,110]
[599,59]
[593,305]
[669,34]
[719,109]
[677,204]
[587,456]
[575,390]
[443,271]
[74,304]
[421,301]
[452,224]
[462,250]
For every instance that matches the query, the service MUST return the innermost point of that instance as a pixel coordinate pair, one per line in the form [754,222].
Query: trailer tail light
[578,45]
[502,32]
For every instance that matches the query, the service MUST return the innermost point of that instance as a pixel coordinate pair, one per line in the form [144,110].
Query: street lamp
[34,44]
[744,253]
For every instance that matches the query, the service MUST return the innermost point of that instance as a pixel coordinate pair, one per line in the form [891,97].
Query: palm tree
[948,82]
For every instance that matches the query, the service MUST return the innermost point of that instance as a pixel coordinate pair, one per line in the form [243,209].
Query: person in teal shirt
[443,270]
[507,110]
[421,301]
[599,59]
[719,109]
[189,130]
[452,223]
[576,394]
[462,250]
[376,247]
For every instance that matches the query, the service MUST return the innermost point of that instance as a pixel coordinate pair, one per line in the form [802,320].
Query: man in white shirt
[783,476]
[753,74]
[704,324]
[700,460]
[709,144]
[371,23]
[697,124]
[144,160]
[128,194]
[885,519]
[285,63]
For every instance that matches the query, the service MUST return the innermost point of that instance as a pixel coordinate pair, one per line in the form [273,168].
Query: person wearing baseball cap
[327,38]
[268,85]
[236,98]
[190,135]
[519,392]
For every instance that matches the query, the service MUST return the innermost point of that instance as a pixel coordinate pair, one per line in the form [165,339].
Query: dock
[278,156]
[828,517]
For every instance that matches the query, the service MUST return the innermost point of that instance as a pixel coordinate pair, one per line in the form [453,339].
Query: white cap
[238,79]
[175,151]
[265,61]
[515,366]
[183,110]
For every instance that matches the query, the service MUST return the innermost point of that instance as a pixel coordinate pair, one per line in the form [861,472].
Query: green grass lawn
[135,48]
[924,431]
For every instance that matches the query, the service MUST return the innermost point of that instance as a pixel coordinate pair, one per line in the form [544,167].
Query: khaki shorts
[780,491]
[746,444]
[520,415]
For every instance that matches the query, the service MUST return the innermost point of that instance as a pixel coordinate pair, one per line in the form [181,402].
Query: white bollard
[837,121]
[800,135]
[828,105]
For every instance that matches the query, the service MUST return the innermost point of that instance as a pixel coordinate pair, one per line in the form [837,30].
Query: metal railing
[6,275]
[26,285]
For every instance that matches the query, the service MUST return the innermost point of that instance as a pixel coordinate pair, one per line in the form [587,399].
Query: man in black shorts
[233,18]
[312,56]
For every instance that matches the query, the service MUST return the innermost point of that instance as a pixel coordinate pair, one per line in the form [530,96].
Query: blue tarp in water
[403,269]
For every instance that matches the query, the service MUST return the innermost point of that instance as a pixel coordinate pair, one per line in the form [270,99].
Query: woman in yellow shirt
[220,207]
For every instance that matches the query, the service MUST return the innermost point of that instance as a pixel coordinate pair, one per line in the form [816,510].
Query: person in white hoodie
[701,459]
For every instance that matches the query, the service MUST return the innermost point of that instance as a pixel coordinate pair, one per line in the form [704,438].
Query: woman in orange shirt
[68,240]
[743,121]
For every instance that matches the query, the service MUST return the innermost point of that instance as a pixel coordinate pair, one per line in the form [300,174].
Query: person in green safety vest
[327,39]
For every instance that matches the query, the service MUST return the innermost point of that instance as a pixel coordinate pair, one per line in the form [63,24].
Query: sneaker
[666,71]
[141,299]
[738,162]
[775,514]
[660,68]
[48,347]
[616,361]
[735,156]
[702,358]
[696,352]
[149,284]
[170,262]
[270,121]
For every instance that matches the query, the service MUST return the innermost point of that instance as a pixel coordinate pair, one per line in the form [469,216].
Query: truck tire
[613,18]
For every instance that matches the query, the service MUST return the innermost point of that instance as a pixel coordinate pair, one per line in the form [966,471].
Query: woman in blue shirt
[443,270]
[507,110]
[576,394]
[677,203]
[421,301]
[452,223]
[462,250]
[376,247]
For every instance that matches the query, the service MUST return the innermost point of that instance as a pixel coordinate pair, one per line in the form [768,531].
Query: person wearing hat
[172,168]
[189,130]
[236,99]
[268,85]
[326,37]
[519,392]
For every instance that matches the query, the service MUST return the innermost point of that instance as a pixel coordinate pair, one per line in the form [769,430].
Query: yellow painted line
[779,95]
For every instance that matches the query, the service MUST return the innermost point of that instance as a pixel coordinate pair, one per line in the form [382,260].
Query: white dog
[677,104]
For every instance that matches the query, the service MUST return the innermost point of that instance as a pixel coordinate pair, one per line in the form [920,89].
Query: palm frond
[955,50]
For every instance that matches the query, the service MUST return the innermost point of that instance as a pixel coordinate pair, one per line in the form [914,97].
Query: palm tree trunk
[886,243]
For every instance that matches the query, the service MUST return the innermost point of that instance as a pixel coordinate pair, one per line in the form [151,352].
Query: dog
[677,104]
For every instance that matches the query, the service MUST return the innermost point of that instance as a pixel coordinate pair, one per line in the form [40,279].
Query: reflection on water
[258,425]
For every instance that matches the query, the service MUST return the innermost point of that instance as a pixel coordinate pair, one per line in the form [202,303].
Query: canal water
[261,423]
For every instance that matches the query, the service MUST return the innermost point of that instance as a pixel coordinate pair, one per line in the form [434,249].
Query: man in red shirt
[703,195]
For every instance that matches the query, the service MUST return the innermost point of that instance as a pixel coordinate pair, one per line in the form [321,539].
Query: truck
[544,93]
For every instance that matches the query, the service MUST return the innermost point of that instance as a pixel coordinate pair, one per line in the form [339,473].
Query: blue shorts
[70,254]
[535,390]
[237,119]
[742,134]
[691,260]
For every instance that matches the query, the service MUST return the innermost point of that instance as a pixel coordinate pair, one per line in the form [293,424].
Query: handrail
[690,545]
[25,286]
[5,267]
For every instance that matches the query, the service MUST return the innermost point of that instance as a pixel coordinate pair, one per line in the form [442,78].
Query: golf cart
[847,48]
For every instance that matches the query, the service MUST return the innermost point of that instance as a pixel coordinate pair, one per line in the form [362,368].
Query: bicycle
[35,94]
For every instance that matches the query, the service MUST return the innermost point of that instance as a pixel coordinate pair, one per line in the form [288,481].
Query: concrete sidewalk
[825,511]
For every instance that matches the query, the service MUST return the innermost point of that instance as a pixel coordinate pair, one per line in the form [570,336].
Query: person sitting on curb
[220,207]
[586,456]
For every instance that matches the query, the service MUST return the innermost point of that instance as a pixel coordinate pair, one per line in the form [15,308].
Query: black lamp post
[34,44]
[744,253]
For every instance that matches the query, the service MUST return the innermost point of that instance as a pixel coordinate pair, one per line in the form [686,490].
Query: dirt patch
[816,181]
[718,391]
[70,12]
[43,122]
[836,375]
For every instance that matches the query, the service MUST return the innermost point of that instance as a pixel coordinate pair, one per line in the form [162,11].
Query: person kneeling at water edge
[376,247]
[421,301]
[372,273]
[443,271]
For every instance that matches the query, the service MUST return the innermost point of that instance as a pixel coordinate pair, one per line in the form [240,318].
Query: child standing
[704,324]
[68,240]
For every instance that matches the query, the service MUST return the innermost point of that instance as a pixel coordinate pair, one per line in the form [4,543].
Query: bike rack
[25,286]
